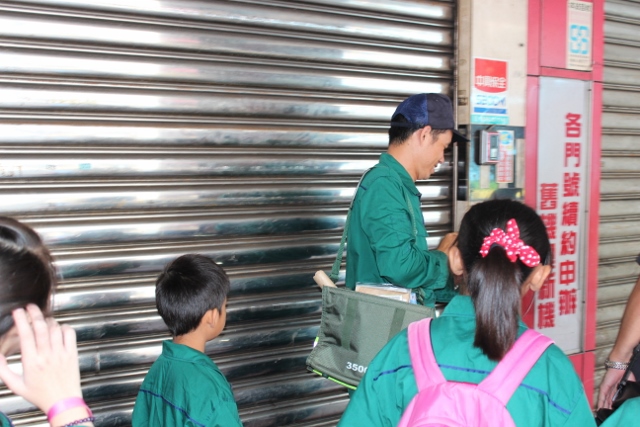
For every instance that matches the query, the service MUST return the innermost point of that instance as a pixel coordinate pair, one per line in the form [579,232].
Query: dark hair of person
[27,274]
[188,287]
[494,282]
[399,134]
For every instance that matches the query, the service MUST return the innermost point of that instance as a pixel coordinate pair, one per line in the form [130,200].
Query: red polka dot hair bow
[512,244]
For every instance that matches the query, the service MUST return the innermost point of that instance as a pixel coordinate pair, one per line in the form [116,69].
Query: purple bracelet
[66,404]
[78,422]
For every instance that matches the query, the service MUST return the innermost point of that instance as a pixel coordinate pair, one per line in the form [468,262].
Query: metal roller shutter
[135,131]
[620,184]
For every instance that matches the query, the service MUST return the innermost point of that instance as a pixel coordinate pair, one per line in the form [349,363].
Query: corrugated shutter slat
[620,183]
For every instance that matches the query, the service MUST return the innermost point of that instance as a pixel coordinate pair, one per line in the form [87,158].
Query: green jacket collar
[462,306]
[184,353]
[389,161]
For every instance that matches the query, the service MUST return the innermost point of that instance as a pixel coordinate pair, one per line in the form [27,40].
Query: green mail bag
[354,328]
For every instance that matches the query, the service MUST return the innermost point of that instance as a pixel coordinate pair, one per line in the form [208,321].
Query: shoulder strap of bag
[335,269]
[413,215]
[503,381]
[425,367]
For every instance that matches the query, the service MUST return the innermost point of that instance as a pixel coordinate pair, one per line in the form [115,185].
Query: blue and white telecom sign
[579,35]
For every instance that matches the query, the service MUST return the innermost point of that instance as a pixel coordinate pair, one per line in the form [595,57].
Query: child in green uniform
[502,252]
[184,387]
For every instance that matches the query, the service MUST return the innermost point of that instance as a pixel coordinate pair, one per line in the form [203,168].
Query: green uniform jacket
[185,388]
[625,415]
[550,395]
[5,421]
[383,244]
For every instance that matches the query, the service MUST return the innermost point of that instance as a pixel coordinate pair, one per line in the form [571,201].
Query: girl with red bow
[502,252]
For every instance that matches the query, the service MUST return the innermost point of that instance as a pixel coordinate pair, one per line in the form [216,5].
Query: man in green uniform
[386,237]
[184,387]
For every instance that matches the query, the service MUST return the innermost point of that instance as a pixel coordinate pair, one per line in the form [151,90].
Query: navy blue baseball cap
[427,109]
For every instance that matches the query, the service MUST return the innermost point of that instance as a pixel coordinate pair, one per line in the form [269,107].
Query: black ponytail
[493,281]
[496,305]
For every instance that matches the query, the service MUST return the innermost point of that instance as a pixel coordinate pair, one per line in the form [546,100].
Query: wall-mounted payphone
[489,147]
[495,163]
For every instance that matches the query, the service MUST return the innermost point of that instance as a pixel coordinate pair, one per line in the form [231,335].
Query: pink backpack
[442,403]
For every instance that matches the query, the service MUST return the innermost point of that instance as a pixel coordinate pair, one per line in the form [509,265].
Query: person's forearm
[415,269]
[629,333]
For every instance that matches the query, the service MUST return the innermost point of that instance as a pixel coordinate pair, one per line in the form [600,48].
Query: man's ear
[455,261]
[537,277]
[425,134]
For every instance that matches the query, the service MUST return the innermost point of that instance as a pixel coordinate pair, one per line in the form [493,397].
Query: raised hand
[50,371]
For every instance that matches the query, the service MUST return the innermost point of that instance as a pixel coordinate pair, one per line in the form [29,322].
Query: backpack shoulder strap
[515,365]
[425,367]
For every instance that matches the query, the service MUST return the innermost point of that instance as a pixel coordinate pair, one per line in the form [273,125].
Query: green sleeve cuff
[447,293]
[441,288]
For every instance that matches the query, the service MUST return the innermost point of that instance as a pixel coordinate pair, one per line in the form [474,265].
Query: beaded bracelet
[610,364]
[78,422]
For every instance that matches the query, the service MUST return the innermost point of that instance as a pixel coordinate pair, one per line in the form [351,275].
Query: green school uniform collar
[462,306]
[185,353]
[389,161]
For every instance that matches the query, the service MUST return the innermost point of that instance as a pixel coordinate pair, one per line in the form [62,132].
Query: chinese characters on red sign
[559,206]
[490,75]
[489,92]
[491,82]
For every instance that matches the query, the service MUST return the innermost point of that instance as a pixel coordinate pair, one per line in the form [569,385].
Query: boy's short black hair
[188,287]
